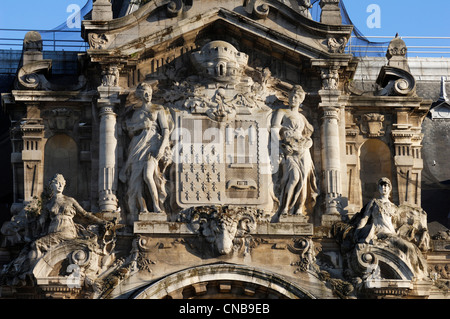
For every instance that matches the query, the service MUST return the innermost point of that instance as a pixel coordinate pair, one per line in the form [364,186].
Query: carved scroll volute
[81,257]
[260,9]
[174,8]
[304,248]
[395,81]
[395,78]
[32,76]
[365,261]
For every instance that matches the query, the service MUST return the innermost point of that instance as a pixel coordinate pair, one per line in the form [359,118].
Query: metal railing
[52,40]
[70,40]
[418,46]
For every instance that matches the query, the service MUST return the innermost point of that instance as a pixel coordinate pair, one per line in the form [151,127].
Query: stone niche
[215,150]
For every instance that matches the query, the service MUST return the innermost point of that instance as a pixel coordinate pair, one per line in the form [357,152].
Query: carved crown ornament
[220,61]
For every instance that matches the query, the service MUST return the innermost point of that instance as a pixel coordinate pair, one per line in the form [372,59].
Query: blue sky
[408,17]
[35,14]
[386,17]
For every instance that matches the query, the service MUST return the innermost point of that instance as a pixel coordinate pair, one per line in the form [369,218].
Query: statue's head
[57,183]
[384,186]
[296,96]
[144,91]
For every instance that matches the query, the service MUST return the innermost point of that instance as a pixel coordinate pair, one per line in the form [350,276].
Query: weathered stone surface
[222,153]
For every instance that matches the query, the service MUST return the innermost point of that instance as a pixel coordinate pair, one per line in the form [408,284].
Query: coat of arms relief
[230,136]
[237,143]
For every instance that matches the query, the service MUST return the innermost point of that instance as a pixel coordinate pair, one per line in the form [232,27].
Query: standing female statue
[149,132]
[298,180]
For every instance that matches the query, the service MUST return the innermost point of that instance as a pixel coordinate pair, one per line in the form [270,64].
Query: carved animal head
[222,227]
[221,232]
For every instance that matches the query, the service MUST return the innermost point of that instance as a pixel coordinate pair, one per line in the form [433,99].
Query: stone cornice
[144,35]
[50,96]
[131,20]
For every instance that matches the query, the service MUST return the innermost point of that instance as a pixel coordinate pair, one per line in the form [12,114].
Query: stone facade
[218,150]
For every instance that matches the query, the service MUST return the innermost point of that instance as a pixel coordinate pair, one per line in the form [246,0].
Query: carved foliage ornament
[304,248]
[98,41]
[110,76]
[336,45]
[330,78]
[61,119]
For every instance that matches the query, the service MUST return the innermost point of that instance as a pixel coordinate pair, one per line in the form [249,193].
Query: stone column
[331,153]
[107,175]
[331,143]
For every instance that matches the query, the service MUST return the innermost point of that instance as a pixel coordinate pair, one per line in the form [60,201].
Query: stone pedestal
[331,13]
[102,10]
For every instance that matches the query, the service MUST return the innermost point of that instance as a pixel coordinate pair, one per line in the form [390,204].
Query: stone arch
[61,156]
[374,162]
[391,265]
[223,281]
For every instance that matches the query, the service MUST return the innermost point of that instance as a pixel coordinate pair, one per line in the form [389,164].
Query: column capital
[329,102]
[331,113]
[109,90]
[107,109]
[330,78]
[111,74]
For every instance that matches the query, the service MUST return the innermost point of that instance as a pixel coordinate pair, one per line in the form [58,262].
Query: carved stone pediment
[441,111]
[200,14]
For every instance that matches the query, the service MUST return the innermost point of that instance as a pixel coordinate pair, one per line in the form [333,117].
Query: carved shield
[221,162]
